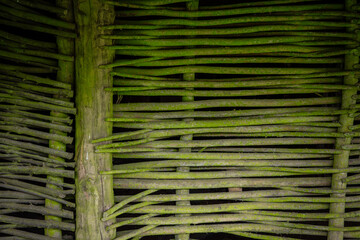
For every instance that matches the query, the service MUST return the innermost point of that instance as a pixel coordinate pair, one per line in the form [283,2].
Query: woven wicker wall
[236,118]
[232,120]
[36,114]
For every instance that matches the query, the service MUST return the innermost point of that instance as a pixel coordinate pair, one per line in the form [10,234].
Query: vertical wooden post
[94,193]
[64,74]
[342,160]
[191,6]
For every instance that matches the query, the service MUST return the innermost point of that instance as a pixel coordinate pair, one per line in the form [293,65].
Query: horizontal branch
[173,106]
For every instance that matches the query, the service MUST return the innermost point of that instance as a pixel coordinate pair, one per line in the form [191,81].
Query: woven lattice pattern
[36,114]
[235,118]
